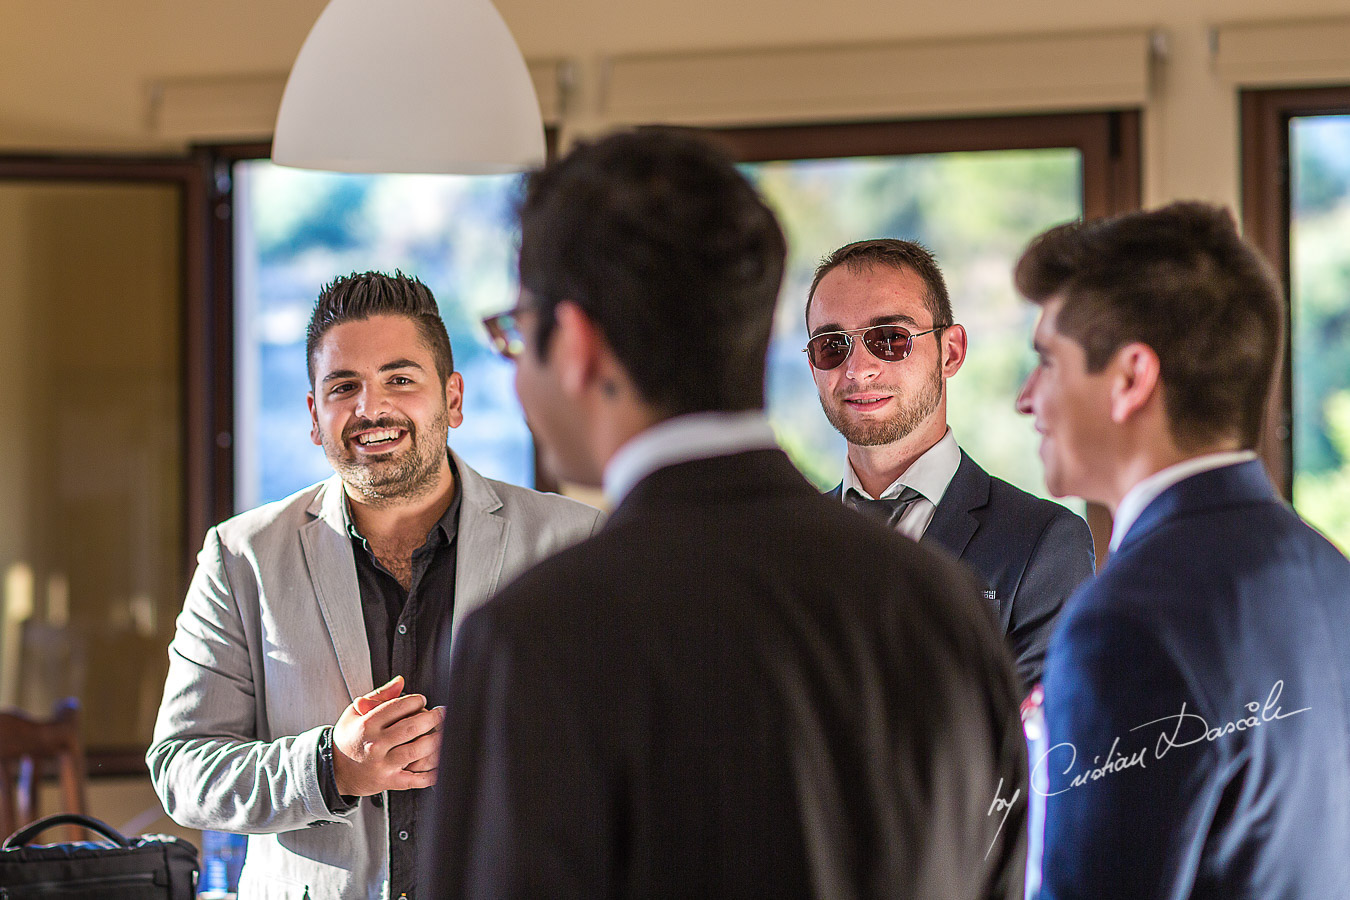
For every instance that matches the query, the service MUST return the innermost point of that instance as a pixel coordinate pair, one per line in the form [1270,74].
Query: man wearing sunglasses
[712,697]
[882,346]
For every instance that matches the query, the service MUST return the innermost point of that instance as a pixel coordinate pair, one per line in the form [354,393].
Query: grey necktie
[888,512]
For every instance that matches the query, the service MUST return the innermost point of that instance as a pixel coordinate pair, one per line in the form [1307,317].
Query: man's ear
[576,349]
[454,399]
[952,345]
[1135,380]
[314,434]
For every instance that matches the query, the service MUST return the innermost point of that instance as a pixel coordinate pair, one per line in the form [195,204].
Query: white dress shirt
[1137,499]
[684,439]
[930,475]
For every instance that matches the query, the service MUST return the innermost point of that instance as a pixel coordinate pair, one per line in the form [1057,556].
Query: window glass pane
[297,230]
[975,211]
[1319,261]
[91,536]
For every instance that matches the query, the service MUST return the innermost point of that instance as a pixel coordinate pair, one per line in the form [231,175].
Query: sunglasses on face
[504,333]
[888,343]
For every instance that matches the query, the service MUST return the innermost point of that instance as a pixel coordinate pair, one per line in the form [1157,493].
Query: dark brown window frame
[1265,117]
[1109,143]
[200,377]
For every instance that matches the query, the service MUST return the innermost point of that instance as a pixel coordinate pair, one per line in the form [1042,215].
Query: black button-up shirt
[402,629]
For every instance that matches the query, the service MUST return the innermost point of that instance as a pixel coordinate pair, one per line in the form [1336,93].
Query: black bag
[150,867]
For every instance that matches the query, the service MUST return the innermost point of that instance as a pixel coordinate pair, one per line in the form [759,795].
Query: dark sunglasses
[504,333]
[888,343]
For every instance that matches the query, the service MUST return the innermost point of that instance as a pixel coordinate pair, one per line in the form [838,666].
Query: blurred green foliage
[457,233]
[1320,275]
[1323,498]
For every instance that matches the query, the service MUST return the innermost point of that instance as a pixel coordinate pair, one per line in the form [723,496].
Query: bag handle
[98,826]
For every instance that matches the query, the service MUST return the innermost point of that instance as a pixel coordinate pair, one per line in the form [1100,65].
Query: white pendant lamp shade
[410,86]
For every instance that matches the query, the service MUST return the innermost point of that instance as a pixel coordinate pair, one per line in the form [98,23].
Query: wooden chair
[29,749]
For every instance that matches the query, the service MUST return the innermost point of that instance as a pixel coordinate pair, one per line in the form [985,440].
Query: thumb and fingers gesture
[386,740]
[366,702]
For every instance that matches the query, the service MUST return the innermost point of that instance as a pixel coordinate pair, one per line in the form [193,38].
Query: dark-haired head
[891,253]
[1182,281]
[360,296]
[667,248]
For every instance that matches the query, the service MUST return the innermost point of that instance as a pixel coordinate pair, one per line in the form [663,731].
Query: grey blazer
[271,647]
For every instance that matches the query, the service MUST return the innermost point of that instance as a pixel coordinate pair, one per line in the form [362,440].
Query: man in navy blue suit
[1197,693]
[883,344]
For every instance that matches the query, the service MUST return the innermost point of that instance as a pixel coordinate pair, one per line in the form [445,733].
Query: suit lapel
[328,555]
[953,525]
[482,540]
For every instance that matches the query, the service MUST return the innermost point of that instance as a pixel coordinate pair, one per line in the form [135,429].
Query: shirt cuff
[338,804]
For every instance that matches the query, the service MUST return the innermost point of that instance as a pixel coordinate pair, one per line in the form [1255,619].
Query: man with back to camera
[1196,691]
[299,608]
[882,346]
[714,696]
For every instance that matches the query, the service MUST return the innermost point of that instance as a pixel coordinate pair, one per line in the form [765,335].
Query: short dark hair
[1183,281]
[356,296]
[658,238]
[892,253]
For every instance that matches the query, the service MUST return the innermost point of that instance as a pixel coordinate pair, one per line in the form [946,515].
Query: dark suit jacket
[716,697]
[1030,553]
[1219,618]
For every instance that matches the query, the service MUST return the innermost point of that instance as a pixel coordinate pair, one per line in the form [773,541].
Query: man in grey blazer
[882,345]
[294,708]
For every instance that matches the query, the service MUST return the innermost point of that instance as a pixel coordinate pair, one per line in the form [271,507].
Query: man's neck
[877,467]
[1153,459]
[610,432]
[682,439]
[403,521]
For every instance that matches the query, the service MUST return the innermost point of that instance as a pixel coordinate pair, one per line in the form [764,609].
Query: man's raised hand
[386,741]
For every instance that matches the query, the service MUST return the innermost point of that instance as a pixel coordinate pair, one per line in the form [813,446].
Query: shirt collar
[684,439]
[1137,499]
[930,474]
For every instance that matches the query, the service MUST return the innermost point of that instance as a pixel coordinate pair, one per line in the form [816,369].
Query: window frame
[1265,116]
[1109,143]
[200,379]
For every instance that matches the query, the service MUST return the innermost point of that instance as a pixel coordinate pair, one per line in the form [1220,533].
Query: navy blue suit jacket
[1198,707]
[1029,553]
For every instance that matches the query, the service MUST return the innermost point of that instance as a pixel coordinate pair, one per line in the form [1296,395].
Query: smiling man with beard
[272,722]
[882,346]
